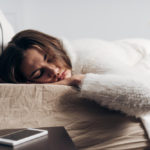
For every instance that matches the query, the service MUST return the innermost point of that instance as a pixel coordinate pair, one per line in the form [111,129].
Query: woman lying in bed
[114,74]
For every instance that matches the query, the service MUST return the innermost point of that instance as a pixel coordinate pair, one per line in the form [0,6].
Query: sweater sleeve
[118,92]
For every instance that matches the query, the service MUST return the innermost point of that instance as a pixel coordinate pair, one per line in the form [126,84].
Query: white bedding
[6,31]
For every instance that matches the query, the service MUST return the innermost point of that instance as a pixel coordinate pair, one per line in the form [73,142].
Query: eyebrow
[34,72]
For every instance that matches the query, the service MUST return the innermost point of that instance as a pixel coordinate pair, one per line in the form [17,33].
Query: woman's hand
[75,80]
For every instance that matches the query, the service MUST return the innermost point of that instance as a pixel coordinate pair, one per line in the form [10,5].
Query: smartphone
[22,136]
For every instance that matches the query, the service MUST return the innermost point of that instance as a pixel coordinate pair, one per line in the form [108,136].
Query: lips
[62,76]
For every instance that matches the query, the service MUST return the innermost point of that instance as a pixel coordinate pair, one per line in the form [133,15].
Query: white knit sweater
[117,74]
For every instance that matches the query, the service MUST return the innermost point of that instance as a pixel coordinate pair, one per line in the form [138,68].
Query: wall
[105,19]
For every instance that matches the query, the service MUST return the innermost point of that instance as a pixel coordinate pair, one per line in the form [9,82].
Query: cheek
[42,80]
[24,70]
[45,79]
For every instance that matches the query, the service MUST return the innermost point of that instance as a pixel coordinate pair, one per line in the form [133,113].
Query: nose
[52,71]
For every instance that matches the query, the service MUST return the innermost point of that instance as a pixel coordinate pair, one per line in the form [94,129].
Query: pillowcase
[6,31]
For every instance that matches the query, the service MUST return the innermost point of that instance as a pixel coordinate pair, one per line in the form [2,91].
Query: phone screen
[20,135]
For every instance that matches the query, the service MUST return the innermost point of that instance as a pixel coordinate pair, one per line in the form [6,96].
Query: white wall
[105,19]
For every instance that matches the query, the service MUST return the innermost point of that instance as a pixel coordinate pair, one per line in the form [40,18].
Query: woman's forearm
[118,92]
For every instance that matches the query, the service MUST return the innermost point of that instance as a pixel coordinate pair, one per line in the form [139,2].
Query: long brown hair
[11,59]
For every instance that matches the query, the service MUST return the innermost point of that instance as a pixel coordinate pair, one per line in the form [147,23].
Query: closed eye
[40,75]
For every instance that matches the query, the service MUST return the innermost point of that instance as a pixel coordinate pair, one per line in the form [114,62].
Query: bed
[90,126]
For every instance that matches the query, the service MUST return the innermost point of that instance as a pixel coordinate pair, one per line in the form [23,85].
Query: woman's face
[37,67]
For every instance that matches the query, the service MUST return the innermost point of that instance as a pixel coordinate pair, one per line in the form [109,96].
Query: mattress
[90,126]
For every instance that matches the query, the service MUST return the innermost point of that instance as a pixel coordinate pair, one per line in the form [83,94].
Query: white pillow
[6,31]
